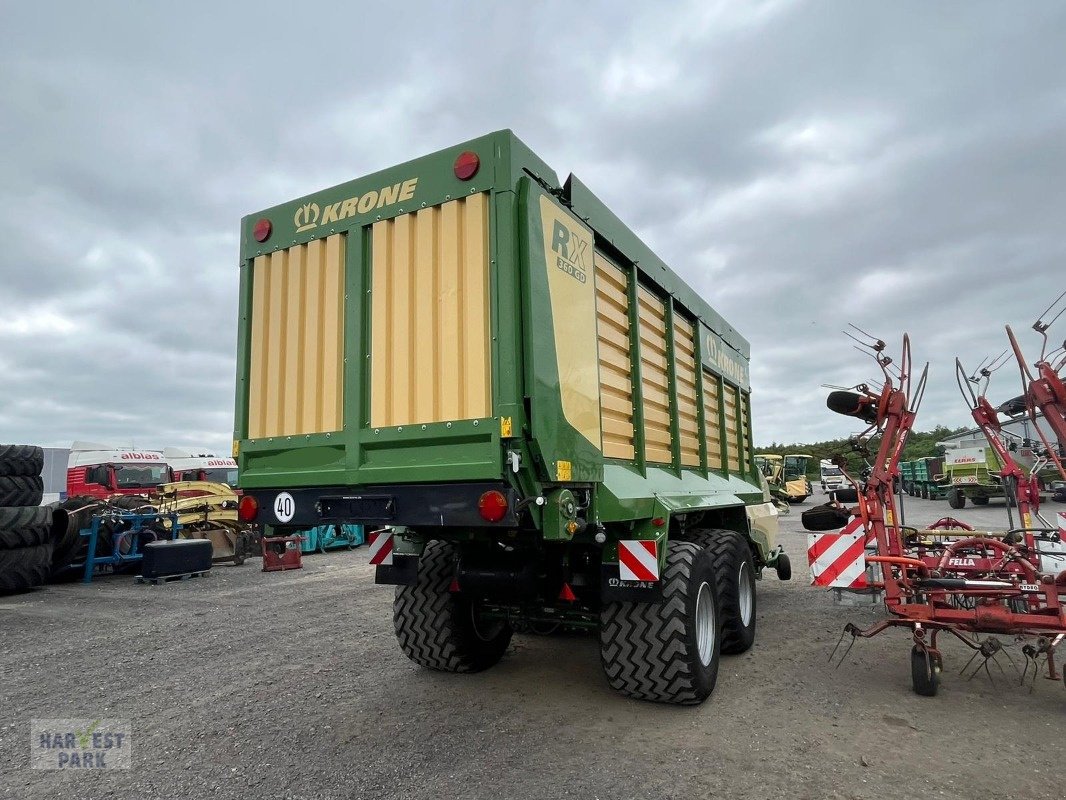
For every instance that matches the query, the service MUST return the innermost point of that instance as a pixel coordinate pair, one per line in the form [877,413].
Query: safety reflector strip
[638,560]
[380,543]
[838,560]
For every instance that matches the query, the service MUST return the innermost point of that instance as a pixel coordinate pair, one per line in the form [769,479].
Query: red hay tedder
[976,586]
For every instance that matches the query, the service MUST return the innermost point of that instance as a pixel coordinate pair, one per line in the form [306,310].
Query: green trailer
[538,421]
[906,477]
[922,478]
[928,475]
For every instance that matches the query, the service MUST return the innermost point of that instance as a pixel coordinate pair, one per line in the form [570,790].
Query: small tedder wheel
[925,672]
[783,565]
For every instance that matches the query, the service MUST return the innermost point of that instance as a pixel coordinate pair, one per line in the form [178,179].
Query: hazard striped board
[380,544]
[638,560]
[838,560]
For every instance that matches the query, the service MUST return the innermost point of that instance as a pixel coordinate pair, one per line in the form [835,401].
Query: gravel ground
[290,685]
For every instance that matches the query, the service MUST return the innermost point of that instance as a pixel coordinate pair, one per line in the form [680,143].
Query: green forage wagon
[540,422]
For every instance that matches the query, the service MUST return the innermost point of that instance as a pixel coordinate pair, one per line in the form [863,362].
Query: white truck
[831,475]
[100,470]
[201,466]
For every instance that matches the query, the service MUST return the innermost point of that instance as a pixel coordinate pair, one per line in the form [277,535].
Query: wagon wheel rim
[706,624]
[747,591]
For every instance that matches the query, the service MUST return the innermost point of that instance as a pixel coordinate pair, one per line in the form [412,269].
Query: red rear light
[248,509]
[466,165]
[492,506]
[262,230]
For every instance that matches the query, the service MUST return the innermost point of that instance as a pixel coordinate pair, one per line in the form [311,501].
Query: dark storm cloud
[803,165]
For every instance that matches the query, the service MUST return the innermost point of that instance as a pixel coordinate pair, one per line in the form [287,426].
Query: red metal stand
[281,553]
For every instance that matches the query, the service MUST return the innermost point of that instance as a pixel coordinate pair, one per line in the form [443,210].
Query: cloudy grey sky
[802,164]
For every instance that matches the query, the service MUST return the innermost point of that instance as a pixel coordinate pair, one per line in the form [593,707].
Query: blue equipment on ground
[130,529]
[331,537]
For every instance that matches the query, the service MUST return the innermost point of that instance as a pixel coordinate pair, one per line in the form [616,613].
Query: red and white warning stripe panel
[380,544]
[638,560]
[838,560]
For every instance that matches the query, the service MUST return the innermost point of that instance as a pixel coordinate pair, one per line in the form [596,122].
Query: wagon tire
[440,629]
[734,571]
[21,459]
[668,651]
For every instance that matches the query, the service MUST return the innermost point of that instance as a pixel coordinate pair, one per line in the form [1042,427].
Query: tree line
[920,444]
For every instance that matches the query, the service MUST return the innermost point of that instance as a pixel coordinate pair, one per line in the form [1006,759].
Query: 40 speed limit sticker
[284,507]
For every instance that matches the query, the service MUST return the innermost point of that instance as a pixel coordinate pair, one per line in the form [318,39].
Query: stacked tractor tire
[25,525]
[75,514]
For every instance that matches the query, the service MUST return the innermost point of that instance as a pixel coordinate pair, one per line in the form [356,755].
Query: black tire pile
[25,525]
[70,517]
[39,543]
[75,514]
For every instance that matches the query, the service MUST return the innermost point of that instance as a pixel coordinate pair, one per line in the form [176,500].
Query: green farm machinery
[538,421]
[972,469]
[922,478]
